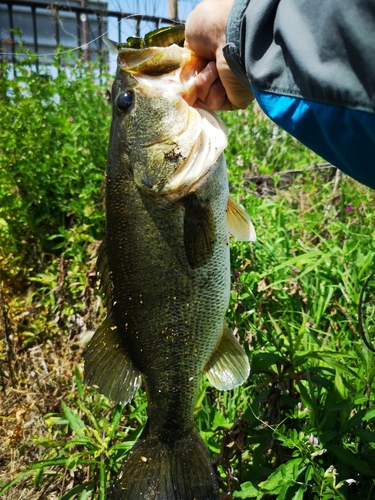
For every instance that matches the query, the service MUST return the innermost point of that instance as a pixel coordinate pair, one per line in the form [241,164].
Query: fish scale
[154,277]
[164,268]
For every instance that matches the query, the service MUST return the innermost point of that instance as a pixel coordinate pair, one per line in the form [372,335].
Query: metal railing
[69,26]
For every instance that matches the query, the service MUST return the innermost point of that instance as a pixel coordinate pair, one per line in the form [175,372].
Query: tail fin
[157,471]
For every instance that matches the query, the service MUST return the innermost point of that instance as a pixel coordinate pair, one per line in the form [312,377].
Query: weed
[301,427]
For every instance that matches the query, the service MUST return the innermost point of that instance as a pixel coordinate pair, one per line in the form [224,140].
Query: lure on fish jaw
[164,268]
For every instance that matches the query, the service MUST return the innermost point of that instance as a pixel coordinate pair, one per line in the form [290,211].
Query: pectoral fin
[199,231]
[108,366]
[239,222]
[229,365]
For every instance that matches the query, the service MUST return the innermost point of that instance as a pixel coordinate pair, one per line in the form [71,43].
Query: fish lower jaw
[208,146]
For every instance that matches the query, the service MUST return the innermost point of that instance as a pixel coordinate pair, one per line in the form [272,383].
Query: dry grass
[42,377]
[35,379]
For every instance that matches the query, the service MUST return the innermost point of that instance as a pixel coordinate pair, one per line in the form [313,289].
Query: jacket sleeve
[311,66]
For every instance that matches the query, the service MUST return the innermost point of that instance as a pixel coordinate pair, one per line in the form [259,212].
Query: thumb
[238,95]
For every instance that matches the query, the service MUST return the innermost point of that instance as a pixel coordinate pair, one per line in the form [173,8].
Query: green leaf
[360,399]
[72,461]
[220,421]
[248,490]
[309,473]
[56,461]
[361,416]
[263,361]
[370,413]
[300,493]
[16,480]
[350,459]
[116,417]
[283,473]
[331,361]
[80,488]
[327,436]
[340,387]
[80,388]
[138,410]
[75,422]
[300,260]
[365,435]
[102,480]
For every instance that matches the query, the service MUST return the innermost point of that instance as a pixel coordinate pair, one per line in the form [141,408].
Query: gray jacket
[311,65]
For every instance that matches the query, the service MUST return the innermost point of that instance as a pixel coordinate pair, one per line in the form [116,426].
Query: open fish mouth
[201,138]
[209,145]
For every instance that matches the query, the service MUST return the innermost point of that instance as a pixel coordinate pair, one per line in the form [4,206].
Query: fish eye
[124,100]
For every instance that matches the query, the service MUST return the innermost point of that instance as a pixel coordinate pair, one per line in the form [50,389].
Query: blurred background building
[43,25]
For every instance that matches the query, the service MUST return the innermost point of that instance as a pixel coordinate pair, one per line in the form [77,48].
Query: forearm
[312,68]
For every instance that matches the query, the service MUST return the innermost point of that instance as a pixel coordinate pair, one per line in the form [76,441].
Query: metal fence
[42,27]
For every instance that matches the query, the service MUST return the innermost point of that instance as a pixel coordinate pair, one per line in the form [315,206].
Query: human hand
[216,85]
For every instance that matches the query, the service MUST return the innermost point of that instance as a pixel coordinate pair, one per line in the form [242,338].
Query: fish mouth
[208,146]
[192,147]
[200,144]
[177,64]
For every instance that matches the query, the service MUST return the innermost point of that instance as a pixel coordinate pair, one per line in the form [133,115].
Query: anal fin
[239,222]
[108,366]
[229,365]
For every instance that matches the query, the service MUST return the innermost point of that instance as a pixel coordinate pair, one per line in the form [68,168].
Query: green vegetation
[301,427]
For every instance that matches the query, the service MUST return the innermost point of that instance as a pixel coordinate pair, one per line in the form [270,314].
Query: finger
[217,97]
[205,79]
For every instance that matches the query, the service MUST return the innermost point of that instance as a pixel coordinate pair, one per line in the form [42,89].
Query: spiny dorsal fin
[199,231]
[108,366]
[239,222]
[229,365]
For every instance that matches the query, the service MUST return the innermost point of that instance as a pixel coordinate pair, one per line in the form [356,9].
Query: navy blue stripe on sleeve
[343,136]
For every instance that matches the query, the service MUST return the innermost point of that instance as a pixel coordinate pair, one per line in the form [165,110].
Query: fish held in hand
[165,271]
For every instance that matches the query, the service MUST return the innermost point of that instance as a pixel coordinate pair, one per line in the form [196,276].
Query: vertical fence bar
[35,35]
[99,42]
[84,23]
[57,31]
[57,28]
[100,33]
[11,25]
[78,20]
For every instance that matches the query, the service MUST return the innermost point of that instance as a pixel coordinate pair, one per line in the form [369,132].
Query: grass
[301,427]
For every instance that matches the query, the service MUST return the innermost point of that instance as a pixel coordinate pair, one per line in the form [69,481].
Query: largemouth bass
[165,270]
